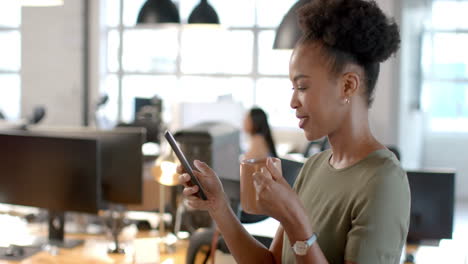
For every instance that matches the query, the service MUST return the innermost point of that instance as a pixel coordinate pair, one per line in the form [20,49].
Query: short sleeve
[380,219]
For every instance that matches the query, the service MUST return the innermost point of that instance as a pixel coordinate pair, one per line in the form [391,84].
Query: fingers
[203,168]
[276,173]
[180,169]
[261,179]
[190,190]
[184,179]
[258,183]
[195,202]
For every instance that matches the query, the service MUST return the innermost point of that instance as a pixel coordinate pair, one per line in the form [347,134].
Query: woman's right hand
[211,185]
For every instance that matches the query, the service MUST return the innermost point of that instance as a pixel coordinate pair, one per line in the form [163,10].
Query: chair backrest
[313,147]
[291,170]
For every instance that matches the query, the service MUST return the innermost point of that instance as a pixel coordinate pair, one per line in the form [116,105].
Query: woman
[261,143]
[349,204]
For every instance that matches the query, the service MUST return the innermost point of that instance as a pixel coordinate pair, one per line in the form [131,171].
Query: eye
[299,88]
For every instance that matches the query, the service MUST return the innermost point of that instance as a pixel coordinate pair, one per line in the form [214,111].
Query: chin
[313,135]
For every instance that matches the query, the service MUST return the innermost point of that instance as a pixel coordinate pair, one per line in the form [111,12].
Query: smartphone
[170,138]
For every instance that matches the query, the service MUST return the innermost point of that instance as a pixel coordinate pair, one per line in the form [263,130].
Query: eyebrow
[300,76]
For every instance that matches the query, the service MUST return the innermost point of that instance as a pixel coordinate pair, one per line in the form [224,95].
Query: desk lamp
[164,172]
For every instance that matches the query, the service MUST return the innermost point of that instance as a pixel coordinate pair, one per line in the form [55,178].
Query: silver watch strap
[312,239]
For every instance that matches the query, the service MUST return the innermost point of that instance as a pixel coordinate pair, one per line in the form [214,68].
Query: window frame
[255,75]
[440,124]
[4,72]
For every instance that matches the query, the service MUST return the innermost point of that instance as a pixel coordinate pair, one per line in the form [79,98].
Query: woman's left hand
[273,194]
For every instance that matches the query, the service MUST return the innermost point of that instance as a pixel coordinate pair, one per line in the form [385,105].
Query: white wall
[52,56]
[393,117]
[449,150]
[383,114]
[411,127]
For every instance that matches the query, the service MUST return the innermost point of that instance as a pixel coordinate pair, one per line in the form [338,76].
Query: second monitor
[121,160]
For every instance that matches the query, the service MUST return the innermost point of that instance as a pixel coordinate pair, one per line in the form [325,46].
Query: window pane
[131,10]
[11,96]
[272,61]
[239,13]
[203,89]
[449,14]
[10,51]
[270,13]
[220,99]
[113,51]
[274,96]
[220,51]
[10,13]
[112,12]
[150,50]
[445,56]
[107,115]
[145,86]
[445,99]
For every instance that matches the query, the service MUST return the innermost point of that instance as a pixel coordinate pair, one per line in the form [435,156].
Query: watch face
[300,248]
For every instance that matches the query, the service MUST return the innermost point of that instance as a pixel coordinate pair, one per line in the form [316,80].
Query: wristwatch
[301,247]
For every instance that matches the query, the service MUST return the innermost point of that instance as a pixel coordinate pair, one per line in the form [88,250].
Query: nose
[294,103]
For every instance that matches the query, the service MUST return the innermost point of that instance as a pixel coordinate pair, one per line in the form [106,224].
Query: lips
[302,120]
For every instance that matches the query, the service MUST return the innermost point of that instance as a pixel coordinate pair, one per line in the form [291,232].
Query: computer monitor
[432,205]
[121,160]
[55,173]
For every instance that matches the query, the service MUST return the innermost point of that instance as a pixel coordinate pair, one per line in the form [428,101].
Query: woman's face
[248,124]
[317,97]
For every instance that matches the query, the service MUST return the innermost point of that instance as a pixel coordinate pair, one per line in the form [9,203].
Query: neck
[352,141]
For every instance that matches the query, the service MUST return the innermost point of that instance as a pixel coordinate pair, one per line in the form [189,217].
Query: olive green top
[360,213]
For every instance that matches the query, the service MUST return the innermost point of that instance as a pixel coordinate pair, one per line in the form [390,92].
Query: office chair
[201,240]
[316,146]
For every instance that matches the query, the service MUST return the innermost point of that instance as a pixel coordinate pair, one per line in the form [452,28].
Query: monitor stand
[56,238]
[115,221]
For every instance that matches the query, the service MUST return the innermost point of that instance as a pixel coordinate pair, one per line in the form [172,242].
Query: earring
[347,100]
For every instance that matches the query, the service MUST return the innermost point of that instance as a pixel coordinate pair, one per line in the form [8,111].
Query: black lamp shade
[203,13]
[158,11]
[288,32]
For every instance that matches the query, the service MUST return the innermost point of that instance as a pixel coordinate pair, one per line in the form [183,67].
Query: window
[445,67]
[197,64]
[10,64]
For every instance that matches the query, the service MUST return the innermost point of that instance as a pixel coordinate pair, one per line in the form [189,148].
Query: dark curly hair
[351,31]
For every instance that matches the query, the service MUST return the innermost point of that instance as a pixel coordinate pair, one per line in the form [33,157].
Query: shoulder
[257,148]
[386,171]
[257,138]
[257,141]
[386,183]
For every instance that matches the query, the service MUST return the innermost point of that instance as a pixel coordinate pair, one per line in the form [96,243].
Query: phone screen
[184,163]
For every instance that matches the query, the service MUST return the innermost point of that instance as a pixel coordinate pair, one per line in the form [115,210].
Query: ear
[351,83]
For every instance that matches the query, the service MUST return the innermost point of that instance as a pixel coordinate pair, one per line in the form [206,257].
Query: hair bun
[357,27]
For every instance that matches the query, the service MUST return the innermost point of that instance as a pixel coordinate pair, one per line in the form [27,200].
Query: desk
[449,251]
[142,249]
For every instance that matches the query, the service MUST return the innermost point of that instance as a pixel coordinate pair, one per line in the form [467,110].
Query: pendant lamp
[288,32]
[158,11]
[203,13]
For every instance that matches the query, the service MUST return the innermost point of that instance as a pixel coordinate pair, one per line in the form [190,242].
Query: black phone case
[185,163]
